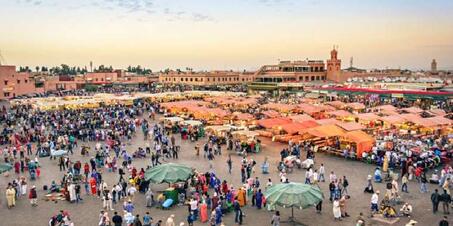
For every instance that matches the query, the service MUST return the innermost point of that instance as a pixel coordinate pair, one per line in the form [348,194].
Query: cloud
[141,9]
[198,17]
[131,5]
[31,2]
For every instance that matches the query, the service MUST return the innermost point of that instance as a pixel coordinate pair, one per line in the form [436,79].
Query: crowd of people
[29,134]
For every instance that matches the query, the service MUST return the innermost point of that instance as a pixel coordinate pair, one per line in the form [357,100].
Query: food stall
[247,140]
[192,129]
[337,104]
[324,136]
[356,107]
[350,126]
[171,122]
[341,115]
[368,119]
[359,140]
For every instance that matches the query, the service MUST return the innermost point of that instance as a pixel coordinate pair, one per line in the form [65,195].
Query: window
[208,79]
[312,78]
[6,94]
[18,81]
[26,81]
[181,79]
[191,79]
[6,82]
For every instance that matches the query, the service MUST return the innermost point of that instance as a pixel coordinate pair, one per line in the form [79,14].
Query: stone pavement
[86,213]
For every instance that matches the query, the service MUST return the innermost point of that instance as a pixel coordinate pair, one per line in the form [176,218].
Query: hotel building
[205,78]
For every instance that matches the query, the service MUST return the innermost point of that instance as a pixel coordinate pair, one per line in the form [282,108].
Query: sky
[226,34]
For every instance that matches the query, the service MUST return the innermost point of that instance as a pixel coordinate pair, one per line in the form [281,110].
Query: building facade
[14,83]
[205,78]
[292,71]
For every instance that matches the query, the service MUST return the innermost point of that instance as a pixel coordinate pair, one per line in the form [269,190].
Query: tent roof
[337,104]
[358,136]
[271,114]
[309,108]
[367,116]
[246,133]
[393,119]
[356,106]
[269,123]
[325,131]
[439,120]
[350,126]
[219,128]
[438,112]
[173,119]
[414,118]
[193,123]
[386,107]
[243,116]
[339,113]
[279,107]
[414,110]
[329,121]
[301,118]
[296,127]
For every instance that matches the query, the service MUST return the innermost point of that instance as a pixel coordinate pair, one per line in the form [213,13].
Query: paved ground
[86,213]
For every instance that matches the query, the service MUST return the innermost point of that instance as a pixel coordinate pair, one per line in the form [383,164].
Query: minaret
[434,67]
[334,66]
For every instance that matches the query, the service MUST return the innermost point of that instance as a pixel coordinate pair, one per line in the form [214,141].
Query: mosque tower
[334,66]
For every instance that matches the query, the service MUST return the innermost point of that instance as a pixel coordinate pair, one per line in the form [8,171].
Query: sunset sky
[226,34]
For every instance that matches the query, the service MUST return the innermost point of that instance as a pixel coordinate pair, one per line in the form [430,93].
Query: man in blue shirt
[147,219]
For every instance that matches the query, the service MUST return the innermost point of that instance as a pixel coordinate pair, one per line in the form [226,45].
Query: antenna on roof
[2,59]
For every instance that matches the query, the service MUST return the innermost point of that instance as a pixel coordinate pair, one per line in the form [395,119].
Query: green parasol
[5,167]
[294,195]
[168,173]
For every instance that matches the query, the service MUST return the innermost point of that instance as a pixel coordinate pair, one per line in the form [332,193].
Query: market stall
[360,142]
[340,115]
[171,122]
[350,126]
[337,104]
[246,142]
